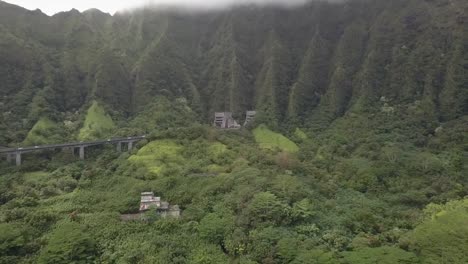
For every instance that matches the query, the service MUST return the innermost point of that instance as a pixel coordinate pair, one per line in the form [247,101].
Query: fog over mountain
[51,7]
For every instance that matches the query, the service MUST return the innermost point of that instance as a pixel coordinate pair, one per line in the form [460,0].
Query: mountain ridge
[298,65]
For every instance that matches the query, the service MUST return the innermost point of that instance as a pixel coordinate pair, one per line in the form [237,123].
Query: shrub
[68,243]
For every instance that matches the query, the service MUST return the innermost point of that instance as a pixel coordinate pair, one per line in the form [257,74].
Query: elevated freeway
[15,153]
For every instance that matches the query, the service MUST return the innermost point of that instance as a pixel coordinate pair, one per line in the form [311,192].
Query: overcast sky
[111,6]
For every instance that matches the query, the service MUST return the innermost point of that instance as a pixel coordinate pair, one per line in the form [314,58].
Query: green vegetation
[158,155]
[441,237]
[68,243]
[272,140]
[44,132]
[97,123]
[166,157]
[329,203]
[358,153]
[304,72]
[298,133]
[384,255]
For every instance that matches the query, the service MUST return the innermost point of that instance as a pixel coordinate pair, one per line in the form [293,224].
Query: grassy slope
[43,132]
[111,185]
[161,157]
[272,140]
[97,123]
[158,155]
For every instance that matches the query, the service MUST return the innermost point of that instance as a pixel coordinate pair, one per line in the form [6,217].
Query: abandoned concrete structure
[168,210]
[249,117]
[149,201]
[224,120]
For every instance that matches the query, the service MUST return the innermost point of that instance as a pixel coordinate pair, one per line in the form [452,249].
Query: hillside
[358,154]
[306,65]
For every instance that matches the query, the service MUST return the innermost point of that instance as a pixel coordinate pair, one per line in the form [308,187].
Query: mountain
[307,65]
[358,153]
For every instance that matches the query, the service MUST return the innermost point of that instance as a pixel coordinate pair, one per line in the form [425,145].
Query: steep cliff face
[305,65]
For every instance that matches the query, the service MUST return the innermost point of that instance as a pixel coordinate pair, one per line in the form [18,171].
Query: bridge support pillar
[18,158]
[119,146]
[82,152]
[130,146]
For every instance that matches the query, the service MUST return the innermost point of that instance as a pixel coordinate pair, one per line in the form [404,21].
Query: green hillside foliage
[298,133]
[343,199]
[112,81]
[97,123]
[359,154]
[44,132]
[310,69]
[272,140]
[442,236]
[383,255]
[312,79]
[68,243]
[162,114]
[166,157]
[158,155]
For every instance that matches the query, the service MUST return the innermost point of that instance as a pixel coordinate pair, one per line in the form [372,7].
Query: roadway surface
[69,145]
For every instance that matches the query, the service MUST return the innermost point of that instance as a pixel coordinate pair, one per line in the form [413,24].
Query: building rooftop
[150,202]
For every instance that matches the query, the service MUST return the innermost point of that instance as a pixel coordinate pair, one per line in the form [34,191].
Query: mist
[212,5]
[209,4]
[216,3]
[52,7]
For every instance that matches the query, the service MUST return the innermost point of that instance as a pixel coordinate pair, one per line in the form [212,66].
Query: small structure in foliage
[150,202]
[168,210]
[249,117]
[224,120]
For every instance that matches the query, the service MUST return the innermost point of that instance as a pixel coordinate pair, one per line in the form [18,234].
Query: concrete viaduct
[15,153]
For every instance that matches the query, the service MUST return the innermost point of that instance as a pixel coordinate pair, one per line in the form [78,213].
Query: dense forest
[358,153]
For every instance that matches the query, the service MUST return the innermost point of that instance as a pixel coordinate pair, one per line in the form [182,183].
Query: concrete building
[168,210]
[249,117]
[224,120]
[151,202]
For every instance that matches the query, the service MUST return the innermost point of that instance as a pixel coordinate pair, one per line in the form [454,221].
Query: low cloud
[214,4]
[222,3]
[111,6]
